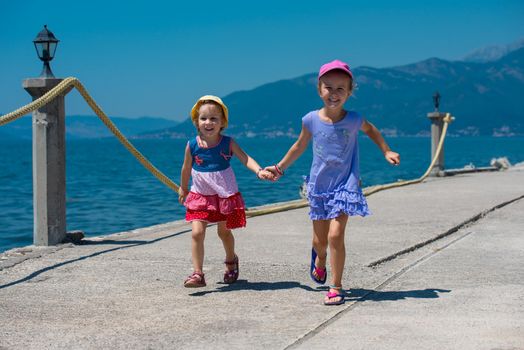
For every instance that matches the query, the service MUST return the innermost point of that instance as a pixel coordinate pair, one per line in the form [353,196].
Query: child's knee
[336,237]
[198,234]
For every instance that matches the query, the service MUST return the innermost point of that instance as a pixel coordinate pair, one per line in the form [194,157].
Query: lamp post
[45,45]
[49,214]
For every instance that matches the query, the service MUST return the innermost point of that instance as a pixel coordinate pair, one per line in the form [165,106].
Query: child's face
[334,89]
[210,120]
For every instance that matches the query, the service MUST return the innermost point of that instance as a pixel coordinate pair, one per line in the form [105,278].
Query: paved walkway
[462,291]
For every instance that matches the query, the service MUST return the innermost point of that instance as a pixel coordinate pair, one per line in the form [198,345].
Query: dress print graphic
[332,148]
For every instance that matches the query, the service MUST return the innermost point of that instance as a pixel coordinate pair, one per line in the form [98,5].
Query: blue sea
[108,191]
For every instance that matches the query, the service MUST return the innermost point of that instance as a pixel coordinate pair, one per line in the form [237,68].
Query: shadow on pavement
[124,245]
[356,295]
[257,286]
[377,295]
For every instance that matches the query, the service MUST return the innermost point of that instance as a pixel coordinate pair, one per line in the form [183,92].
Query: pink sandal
[231,276]
[195,280]
[332,295]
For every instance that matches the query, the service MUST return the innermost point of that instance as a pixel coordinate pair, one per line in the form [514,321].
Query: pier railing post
[437,124]
[49,191]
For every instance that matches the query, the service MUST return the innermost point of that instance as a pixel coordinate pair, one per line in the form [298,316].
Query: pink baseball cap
[336,64]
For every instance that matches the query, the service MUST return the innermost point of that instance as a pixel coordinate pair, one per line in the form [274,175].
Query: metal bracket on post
[49,190]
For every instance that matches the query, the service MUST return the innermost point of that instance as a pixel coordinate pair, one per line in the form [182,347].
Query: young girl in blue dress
[333,189]
[214,195]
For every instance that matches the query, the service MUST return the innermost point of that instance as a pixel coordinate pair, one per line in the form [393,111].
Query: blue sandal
[321,273]
[339,294]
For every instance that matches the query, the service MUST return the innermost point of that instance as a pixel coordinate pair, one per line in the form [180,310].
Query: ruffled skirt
[330,205]
[216,209]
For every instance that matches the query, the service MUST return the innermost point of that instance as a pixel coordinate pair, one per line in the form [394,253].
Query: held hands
[264,174]
[276,173]
[392,157]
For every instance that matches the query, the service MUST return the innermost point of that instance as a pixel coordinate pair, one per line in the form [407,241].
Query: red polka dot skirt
[215,209]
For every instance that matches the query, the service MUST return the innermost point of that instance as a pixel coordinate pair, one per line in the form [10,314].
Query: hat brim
[200,102]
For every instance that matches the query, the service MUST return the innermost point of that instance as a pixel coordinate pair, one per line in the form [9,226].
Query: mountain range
[493,52]
[87,127]
[486,98]
[484,92]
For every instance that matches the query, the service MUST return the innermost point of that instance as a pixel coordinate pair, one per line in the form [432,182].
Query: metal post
[437,124]
[49,191]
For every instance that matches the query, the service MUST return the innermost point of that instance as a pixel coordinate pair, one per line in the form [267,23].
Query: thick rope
[67,84]
[373,189]
[64,87]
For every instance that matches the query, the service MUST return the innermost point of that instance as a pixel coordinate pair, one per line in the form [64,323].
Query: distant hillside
[82,127]
[486,99]
[494,52]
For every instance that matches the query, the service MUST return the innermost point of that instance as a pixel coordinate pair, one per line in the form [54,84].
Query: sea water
[109,191]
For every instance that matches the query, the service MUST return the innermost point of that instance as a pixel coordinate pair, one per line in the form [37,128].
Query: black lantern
[436,100]
[45,44]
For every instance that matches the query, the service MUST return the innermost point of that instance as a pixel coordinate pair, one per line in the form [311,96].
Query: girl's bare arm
[185,174]
[249,162]
[296,149]
[376,136]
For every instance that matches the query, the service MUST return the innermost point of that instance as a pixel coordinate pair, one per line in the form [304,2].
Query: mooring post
[437,124]
[49,191]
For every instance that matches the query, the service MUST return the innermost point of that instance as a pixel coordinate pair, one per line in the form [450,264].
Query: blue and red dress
[214,195]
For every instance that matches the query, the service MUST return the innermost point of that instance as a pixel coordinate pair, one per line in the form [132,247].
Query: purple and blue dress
[333,182]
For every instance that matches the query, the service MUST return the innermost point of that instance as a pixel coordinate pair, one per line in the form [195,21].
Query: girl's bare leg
[197,244]
[320,242]
[228,240]
[337,248]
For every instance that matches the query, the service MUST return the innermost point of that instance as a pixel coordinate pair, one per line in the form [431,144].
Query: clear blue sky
[156,58]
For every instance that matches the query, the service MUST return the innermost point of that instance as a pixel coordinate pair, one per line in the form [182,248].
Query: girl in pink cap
[333,189]
[214,195]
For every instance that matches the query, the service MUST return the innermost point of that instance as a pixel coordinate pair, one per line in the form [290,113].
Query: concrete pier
[451,277]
